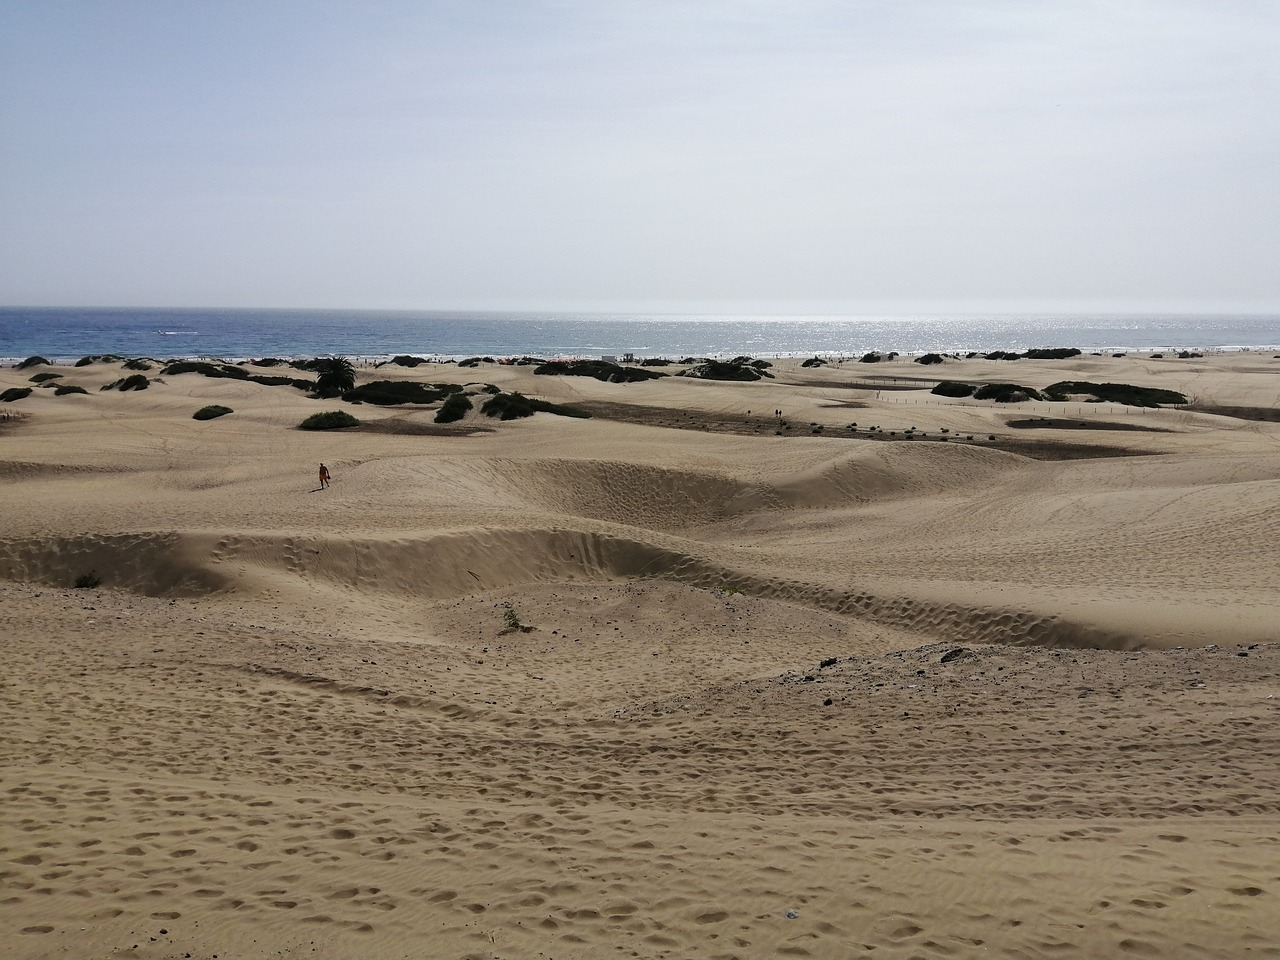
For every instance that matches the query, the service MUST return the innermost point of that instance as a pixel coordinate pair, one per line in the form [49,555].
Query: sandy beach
[687,678]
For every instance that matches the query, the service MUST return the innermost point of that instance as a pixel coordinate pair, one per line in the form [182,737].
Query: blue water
[69,333]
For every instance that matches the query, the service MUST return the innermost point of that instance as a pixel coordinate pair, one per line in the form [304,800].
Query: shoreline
[905,355]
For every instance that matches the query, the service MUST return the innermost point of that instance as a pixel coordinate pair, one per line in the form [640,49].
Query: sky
[707,155]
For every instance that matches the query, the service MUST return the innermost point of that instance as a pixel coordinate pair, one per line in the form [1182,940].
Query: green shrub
[454,408]
[137,363]
[953,388]
[1052,353]
[1005,393]
[404,360]
[720,370]
[601,370]
[388,393]
[216,370]
[65,388]
[211,412]
[329,420]
[32,362]
[135,381]
[88,581]
[43,377]
[85,361]
[515,406]
[1123,393]
[14,393]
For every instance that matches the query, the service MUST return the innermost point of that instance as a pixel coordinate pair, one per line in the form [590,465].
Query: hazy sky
[760,154]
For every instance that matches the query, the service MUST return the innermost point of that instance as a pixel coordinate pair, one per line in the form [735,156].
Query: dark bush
[655,362]
[814,362]
[474,361]
[953,388]
[1002,355]
[1052,353]
[1005,393]
[870,357]
[597,369]
[136,381]
[1123,393]
[137,363]
[270,381]
[390,393]
[454,408]
[32,362]
[268,362]
[514,406]
[404,360]
[65,388]
[43,377]
[929,358]
[329,420]
[216,370]
[85,361]
[211,412]
[14,393]
[88,581]
[719,370]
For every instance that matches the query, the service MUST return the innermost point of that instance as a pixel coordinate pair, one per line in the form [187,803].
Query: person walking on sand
[324,476]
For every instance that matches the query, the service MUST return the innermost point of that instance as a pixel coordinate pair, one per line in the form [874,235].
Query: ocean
[62,334]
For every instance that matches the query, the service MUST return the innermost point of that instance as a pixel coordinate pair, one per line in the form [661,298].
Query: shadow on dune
[445,565]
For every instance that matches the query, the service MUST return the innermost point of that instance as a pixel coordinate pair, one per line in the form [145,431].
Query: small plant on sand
[211,412]
[511,619]
[88,581]
[329,420]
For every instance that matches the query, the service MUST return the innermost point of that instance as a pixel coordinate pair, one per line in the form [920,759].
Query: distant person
[324,476]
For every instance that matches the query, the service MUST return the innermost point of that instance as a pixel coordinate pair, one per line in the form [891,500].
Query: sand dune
[678,680]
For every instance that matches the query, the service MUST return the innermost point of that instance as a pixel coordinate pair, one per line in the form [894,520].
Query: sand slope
[777,691]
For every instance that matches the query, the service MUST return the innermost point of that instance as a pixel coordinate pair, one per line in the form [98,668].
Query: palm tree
[337,375]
